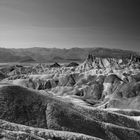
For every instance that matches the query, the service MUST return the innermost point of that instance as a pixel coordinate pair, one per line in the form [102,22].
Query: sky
[70,23]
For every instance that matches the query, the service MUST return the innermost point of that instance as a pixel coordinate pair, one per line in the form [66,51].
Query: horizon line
[72,48]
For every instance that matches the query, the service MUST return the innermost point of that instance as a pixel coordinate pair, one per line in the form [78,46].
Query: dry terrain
[97,99]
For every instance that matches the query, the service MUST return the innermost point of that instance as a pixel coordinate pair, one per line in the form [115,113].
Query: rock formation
[98,99]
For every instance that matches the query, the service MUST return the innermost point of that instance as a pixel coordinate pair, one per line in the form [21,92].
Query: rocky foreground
[96,100]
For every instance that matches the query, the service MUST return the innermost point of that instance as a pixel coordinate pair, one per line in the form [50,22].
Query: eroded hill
[98,99]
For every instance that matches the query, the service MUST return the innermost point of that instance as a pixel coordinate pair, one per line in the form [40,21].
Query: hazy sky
[70,23]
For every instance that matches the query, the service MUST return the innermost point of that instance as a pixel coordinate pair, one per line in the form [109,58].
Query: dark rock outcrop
[21,105]
[2,76]
[73,64]
[55,65]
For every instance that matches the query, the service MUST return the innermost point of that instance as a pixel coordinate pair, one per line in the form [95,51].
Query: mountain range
[48,55]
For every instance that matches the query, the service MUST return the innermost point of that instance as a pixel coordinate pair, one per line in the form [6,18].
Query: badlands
[98,99]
